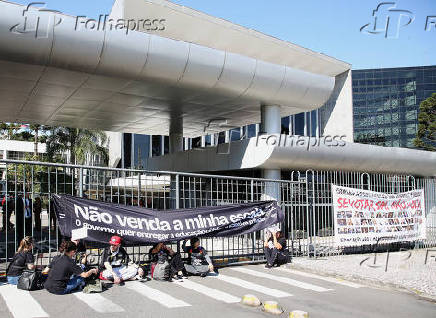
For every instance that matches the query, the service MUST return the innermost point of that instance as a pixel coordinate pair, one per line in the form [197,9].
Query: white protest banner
[364,217]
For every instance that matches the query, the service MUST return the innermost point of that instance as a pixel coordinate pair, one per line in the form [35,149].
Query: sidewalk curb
[367,281]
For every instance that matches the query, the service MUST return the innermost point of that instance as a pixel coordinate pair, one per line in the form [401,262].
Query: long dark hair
[25,244]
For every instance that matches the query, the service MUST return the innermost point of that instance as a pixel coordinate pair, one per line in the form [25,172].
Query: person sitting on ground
[81,256]
[115,263]
[275,249]
[166,264]
[199,263]
[22,259]
[64,275]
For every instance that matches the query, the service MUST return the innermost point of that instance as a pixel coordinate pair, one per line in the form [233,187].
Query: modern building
[178,81]
[386,103]
[19,150]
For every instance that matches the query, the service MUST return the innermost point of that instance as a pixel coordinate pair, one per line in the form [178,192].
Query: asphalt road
[219,297]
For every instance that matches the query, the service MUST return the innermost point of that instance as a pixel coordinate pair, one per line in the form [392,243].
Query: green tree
[81,144]
[426,134]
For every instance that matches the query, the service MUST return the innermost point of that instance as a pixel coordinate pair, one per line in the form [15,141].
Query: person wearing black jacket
[275,249]
[161,254]
[115,263]
[22,259]
[64,275]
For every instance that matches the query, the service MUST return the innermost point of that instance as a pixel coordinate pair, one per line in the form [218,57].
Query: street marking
[20,303]
[248,285]
[327,279]
[209,292]
[156,295]
[98,303]
[281,279]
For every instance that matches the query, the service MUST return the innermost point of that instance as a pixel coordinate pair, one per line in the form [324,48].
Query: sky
[331,27]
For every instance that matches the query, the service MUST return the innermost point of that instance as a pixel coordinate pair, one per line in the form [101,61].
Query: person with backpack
[64,275]
[199,262]
[115,263]
[165,263]
[22,260]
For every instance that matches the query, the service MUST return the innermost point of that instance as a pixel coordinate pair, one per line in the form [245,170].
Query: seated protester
[64,275]
[115,263]
[166,264]
[199,262]
[22,259]
[81,257]
[275,249]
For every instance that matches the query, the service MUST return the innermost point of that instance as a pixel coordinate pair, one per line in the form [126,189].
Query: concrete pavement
[220,297]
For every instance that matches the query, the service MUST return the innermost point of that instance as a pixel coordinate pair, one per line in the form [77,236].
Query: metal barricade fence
[305,198]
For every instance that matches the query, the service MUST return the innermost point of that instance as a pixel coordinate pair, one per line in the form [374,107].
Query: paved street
[219,296]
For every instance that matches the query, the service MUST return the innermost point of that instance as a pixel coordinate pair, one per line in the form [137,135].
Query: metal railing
[304,196]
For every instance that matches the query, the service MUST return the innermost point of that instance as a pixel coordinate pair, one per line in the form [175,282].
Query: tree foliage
[426,134]
[81,144]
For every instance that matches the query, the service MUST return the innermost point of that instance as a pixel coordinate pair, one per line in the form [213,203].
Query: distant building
[386,103]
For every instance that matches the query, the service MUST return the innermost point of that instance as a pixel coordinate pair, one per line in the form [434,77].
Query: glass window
[221,137]
[411,115]
[411,129]
[141,151]
[299,124]
[127,144]
[285,126]
[251,130]
[207,140]
[166,141]
[308,126]
[313,122]
[156,145]
[235,134]
[196,142]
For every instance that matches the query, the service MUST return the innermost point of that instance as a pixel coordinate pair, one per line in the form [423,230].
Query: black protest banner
[139,225]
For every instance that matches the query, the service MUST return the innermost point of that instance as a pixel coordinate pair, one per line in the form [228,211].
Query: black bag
[30,280]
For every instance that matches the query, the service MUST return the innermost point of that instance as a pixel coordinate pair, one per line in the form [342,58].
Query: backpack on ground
[93,285]
[31,280]
[162,271]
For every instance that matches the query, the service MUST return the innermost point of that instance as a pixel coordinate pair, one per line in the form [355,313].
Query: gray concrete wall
[336,116]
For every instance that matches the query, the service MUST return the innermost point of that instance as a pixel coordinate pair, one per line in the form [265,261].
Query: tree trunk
[35,148]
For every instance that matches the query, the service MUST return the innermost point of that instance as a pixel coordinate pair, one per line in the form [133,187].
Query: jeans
[13,280]
[74,283]
[271,255]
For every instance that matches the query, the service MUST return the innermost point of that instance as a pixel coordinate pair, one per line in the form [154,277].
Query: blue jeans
[13,280]
[74,283]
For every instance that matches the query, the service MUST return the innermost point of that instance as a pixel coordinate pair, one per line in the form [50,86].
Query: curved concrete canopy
[279,152]
[65,74]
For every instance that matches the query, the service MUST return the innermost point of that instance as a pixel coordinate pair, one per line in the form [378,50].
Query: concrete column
[176,135]
[271,124]
[270,120]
